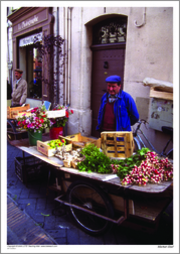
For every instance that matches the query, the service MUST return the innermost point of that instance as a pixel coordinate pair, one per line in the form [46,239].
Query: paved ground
[23,229]
[39,205]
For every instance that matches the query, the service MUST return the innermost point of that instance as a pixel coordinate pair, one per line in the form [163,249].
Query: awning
[30,39]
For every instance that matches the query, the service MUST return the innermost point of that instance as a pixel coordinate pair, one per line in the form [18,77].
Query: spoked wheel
[11,130]
[86,195]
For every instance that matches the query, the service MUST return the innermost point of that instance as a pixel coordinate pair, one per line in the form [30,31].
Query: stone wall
[149,53]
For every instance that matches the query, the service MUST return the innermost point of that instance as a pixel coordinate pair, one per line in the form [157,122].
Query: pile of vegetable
[95,160]
[141,168]
[152,170]
[56,143]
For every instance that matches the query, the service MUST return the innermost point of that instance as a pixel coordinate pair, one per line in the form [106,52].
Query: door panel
[106,62]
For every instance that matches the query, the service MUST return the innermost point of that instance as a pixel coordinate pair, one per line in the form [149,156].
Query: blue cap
[113,79]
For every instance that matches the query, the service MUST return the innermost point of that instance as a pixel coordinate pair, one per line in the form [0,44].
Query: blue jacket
[125,112]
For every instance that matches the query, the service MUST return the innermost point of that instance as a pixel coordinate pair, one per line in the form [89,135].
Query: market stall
[95,200]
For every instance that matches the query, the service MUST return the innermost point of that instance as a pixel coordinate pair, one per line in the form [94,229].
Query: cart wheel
[11,130]
[94,199]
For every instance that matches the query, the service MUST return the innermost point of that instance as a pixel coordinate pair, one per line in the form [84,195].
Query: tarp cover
[161,85]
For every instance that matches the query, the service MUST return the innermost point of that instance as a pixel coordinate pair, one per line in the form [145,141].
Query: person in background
[118,111]
[9,90]
[19,93]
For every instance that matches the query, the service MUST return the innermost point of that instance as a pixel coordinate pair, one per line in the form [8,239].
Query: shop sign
[30,39]
[31,21]
[28,22]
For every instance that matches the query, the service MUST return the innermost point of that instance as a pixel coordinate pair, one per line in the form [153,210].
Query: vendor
[19,93]
[118,111]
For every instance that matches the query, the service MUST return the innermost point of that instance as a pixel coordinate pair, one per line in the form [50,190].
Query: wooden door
[107,60]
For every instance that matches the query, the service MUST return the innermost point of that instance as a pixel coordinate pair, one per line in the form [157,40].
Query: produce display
[141,168]
[95,160]
[152,170]
[56,143]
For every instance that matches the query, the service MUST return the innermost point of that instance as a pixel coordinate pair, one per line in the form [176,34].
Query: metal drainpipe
[57,60]
[64,86]
[69,53]
[66,58]
[66,62]
[66,52]
[144,20]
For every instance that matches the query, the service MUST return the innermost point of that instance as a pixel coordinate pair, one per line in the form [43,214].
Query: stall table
[101,198]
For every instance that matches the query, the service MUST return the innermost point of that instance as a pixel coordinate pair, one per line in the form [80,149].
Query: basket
[28,168]
[12,113]
[117,144]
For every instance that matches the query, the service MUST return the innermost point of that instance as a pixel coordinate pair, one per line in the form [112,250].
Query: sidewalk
[39,211]
[21,229]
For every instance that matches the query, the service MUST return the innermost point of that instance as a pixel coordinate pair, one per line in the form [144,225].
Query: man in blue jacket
[118,111]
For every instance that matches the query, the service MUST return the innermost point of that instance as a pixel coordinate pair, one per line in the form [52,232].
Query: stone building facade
[134,42]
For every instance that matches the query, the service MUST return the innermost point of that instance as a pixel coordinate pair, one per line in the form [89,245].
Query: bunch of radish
[151,170]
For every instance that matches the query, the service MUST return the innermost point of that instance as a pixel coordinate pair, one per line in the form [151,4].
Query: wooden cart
[95,201]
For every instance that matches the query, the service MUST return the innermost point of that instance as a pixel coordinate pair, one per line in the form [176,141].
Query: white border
[87,248]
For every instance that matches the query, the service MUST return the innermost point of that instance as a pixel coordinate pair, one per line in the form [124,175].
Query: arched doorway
[109,43]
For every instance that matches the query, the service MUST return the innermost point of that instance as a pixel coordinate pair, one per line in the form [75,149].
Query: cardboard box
[56,113]
[160,113]
[45,149]
[80,141]
[117,144]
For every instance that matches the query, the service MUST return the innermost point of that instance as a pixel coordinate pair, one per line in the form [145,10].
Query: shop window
[37,75]
[30,57]
[112,30]
[30,60]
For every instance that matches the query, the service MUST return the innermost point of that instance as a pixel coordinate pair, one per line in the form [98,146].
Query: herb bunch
[95,160]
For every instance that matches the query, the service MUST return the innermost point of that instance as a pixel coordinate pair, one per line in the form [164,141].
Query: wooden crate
[45,149]
[28,168]
[12,113]
[155,93]
[80,141]
[117,144]
[22,113]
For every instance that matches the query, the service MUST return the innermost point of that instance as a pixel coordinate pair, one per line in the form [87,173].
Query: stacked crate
[117,144]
